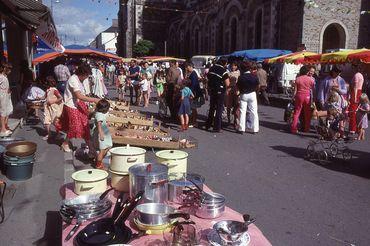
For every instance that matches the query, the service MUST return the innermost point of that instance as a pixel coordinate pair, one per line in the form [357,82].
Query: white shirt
[144,85]
[86,85]
[34,93]
[73,85]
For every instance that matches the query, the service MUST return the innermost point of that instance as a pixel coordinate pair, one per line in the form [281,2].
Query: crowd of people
[234,90]
[341,103]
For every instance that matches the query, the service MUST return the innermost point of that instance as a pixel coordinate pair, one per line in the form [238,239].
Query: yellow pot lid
[127,151]
[172,154]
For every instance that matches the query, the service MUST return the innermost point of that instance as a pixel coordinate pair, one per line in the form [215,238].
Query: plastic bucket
[19,169]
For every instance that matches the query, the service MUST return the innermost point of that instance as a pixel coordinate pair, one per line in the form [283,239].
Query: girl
[53,106]
[362,111]
[6,106]
[185,110]
[101,135]
[160,80]
[120,85]
[144,87]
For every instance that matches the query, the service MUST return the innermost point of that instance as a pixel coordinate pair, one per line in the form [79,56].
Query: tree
[143,47]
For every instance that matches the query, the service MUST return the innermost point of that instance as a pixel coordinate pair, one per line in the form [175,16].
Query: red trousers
[302,101]
[353,105]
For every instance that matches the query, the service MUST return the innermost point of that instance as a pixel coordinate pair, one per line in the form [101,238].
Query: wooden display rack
[125,113]
[123,106]
[119,121]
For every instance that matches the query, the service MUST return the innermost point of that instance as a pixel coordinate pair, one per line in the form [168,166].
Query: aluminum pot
[210,212]
[152,179]
[157,214]
[176,160]
[120,181]
[122,158]
[90,181]
[180,182]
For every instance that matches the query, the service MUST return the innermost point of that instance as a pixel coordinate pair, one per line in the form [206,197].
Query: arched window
[334,37]
[258,24]
[233,34]
[196,41]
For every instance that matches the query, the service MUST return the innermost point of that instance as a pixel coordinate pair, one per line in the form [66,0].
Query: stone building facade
[223,26]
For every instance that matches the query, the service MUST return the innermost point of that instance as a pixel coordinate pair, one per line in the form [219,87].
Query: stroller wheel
[322,156]
[347,155]
[333,149]
[310,152]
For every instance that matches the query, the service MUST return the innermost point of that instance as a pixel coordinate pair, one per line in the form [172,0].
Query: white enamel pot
[122,158]
[176,160]
[90,181]
[120,181]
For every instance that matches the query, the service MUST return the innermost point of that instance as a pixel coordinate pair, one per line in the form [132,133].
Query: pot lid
[89,175]
[172,154]
[148,169]
[127,151]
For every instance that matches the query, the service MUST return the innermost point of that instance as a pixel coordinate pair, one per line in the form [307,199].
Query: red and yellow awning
[296,58]
[363,56]
[334,57]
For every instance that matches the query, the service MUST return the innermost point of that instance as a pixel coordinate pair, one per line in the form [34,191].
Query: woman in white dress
[6,106]
[99,88]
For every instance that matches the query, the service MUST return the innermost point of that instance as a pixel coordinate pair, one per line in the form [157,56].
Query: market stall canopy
[33,15]
[161,59]
[363,56]
[332,58]
[73,50]
[259,55]
[295,58]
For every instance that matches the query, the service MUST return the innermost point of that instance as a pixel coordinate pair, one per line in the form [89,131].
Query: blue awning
[259,55]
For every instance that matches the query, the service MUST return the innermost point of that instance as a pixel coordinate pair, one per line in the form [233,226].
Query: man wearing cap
[218,82]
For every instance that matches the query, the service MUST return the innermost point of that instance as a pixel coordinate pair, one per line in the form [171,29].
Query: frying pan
[109,231]
[21,149]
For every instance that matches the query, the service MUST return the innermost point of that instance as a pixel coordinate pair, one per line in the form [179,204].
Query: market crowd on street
[233,88]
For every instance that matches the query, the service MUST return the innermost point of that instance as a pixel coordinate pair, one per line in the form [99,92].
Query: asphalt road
[295,202]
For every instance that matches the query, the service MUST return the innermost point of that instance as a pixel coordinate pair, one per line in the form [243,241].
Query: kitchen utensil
[180,183]
[157,214]
[230,231]
[18,168]
[90,181]
[117,206]
[109,231]
[152,229]
[215,240]
[176,160]
[211,206]
[120,181]
[73,231]
[21,149]
[122,158]
[151,178]
[183,233]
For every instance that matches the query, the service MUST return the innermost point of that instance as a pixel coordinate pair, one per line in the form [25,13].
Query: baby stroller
[329,143]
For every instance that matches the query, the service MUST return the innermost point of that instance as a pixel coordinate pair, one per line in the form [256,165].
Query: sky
[80,21]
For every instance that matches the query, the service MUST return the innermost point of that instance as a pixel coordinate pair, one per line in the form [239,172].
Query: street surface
[295,202]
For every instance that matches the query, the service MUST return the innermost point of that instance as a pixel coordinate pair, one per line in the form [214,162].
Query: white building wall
[108,42]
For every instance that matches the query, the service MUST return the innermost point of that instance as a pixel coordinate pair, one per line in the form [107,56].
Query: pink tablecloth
[257,237]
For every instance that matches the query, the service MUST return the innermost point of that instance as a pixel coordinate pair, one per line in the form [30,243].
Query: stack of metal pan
[212,205]
[84,208]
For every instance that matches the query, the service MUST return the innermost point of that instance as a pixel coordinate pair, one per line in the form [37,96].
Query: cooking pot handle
[162,182]
[130,159]
[178,215]
[86,188]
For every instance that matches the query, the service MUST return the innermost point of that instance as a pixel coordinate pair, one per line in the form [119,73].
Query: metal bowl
[21,149]
[230,231]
